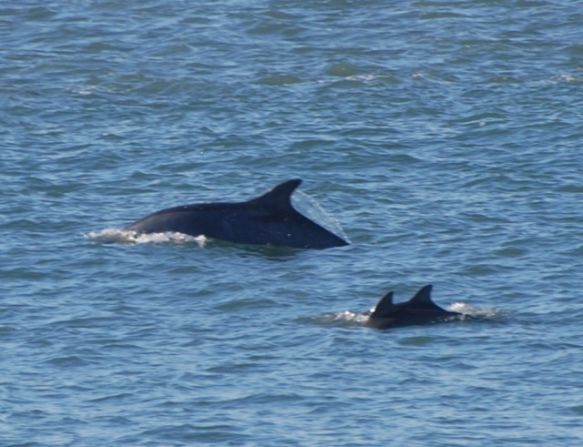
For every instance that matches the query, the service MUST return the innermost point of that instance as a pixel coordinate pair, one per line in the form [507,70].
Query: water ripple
[431,130]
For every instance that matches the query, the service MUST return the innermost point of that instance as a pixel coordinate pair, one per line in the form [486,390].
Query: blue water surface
[444,136]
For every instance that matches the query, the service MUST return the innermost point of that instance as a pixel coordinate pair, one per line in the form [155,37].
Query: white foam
[118,236]
[363,77]
[346,317]
[467,309]
[566,78]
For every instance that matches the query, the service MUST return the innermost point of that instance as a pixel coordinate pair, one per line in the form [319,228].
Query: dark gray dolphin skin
[269,219]
[418,310]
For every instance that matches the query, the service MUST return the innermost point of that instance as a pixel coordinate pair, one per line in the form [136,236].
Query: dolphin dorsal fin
[280,196]
[423,297]
[383,307]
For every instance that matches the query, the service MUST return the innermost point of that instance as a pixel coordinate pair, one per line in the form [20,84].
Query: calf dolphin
[418,310]
[269,219]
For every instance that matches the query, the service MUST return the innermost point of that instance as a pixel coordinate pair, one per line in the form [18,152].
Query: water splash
[471,311]
[346,318]
[118,236]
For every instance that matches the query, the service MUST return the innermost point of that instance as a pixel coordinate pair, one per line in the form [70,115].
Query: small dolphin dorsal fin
[423,297]
[280,196]
[383,307]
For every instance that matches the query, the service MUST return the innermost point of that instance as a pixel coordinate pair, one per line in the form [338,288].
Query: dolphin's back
[194,220]
[418,310]
[267,220]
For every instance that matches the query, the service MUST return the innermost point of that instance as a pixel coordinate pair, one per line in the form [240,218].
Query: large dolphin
[269,219]
[418,310]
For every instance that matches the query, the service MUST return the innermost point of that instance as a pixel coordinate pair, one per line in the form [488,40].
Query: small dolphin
[418,310]
[269,219]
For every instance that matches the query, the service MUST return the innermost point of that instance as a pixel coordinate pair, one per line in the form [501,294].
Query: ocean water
[445,137]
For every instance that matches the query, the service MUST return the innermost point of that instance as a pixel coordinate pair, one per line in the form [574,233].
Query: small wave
[67,361]
[472,311]
[117,236]
[346,318]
